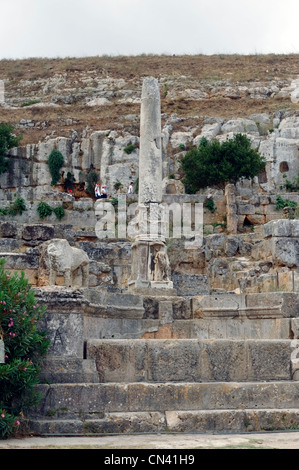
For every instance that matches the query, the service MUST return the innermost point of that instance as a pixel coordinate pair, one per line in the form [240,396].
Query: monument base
[150,267]
[133,288]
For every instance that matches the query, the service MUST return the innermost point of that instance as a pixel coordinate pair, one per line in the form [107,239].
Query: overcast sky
[74,28]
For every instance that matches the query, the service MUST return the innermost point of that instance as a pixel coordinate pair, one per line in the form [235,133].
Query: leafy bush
[17,207]
[291,186]
[117,185]
[214,163]
[59,212]
[55,162]
[7,141]
[282,203]
[25,347]
[44,210]
[209,204]
[92,179]
[130,148]
[69,181]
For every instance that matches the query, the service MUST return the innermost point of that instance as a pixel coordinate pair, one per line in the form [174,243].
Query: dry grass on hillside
[216,67]
[181,70]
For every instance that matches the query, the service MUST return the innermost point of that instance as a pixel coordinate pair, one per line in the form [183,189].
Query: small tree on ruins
[7,141]
[213,163]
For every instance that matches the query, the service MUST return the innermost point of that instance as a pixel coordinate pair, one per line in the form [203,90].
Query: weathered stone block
[189,360]
[66,333]
[278,228]
[190,284]
[38,232]
[21,261]
[8,230]
[286,251]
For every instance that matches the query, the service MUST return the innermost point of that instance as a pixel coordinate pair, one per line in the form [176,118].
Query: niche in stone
[247,222]
[283,167]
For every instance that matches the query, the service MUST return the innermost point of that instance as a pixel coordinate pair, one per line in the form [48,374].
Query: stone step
[68,370]
[228,421]
[191,360]
[90,401]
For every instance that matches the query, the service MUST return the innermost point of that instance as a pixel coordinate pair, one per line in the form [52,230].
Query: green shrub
[291,186]
[209,204]
[69,181]
[44,210]
[7,141]
[130,148]
[59,212]
[117,185]
[214,163]
[282,203]
[92,179]
[55,162]
[25,346]
[17,207]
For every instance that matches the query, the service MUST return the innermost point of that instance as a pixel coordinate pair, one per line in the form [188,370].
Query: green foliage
[117,185]
[7,141]
[214,163]
[130,148]
[165,90]
[44,210]
[59,212]
[136,186]
[55,162]
[209,204]
[114,202]
[282,203]
[291,186]
[92,179]
[69,181]
[17,207]
[29,103]
[25,346]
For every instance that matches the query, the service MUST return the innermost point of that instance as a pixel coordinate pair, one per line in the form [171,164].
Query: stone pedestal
[150,265]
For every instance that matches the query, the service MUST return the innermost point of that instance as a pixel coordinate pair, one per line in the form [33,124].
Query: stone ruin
[146,334]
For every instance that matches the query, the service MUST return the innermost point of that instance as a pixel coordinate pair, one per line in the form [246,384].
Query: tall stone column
[231,209]
[150,264]
[150,160]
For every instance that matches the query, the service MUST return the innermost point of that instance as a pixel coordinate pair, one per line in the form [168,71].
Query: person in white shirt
[104,191]
[97,191]
[131,188]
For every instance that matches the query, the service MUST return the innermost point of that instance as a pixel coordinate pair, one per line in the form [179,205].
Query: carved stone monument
[150,264]
[58,258]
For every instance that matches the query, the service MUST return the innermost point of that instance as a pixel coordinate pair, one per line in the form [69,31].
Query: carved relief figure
[161,262]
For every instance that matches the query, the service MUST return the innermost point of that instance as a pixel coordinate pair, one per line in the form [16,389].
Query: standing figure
[131,188]
[97,191]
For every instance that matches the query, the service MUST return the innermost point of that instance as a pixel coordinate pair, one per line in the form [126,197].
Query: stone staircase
[226,363]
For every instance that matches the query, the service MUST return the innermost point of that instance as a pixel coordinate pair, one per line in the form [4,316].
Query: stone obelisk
[150,264]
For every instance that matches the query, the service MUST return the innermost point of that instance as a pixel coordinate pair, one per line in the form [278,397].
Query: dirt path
[270,440]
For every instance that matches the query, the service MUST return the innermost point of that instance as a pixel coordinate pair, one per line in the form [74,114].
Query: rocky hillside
[47,97]
[89,110]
